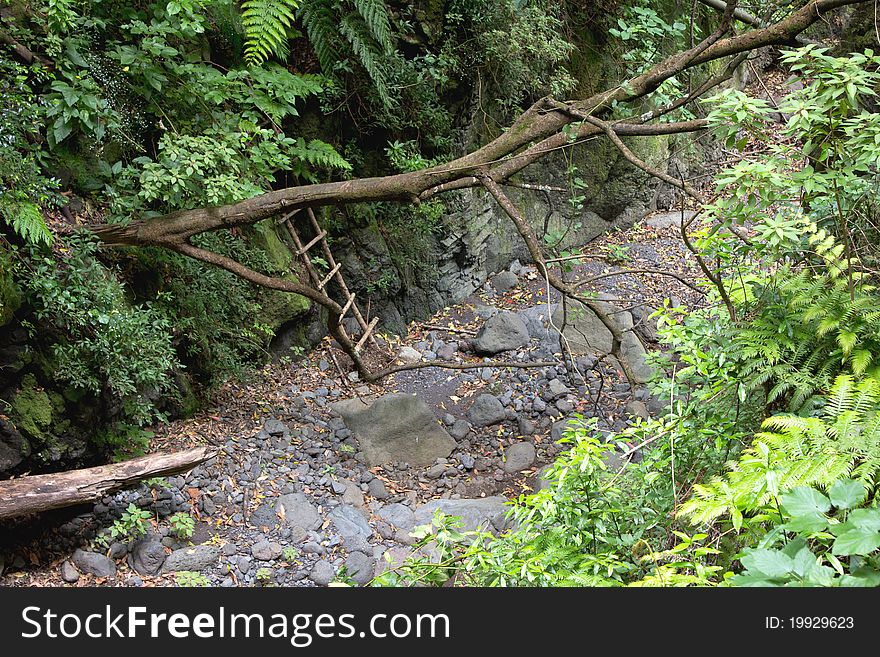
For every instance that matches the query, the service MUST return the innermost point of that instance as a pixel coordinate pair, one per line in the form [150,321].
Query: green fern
[792,451]
[359,28]
[266,24]
[25,219]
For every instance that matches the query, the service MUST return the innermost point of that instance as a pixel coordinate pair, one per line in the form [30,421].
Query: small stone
[323,573]
[460,429]
[449,419]
[638,409]
[558,388]
[360,567]
[467,461]
[69,573]
[435,471]
[518,457]
[409,355]
[504,281]
[94,564]
[525,426]
[377,489]
[350,522]
[147,556]
[266,550]
[486,410]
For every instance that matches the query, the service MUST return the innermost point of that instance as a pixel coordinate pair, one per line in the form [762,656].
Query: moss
[264,237]
[10,295]
[32,408]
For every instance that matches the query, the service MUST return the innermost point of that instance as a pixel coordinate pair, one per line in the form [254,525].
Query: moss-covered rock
[33,410]
[10,295]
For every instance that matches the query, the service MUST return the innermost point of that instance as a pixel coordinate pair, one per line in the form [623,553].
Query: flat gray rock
[350,522]
[504,281]
[486,513]
[502,332]
[194,558]
[486,410]
[398,515]
[396,427]
[69,573]
[298,511]
[584,331]
[93,564]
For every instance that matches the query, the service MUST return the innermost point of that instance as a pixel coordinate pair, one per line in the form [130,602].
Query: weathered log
[38,493]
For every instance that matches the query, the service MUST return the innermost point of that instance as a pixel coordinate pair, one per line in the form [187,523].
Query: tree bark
[38,493]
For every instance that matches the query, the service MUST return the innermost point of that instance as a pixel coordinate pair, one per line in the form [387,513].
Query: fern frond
[361,41]
[266,23]
[375,16]
[25,219]
[322,29]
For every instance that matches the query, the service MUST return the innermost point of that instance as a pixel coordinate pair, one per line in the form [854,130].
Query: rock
[460,429]
[69,573]
[191,558]
[360,567]
[409,355]
[448,419]
[396,427]
[519,457]
[638,409]
[147,556]
[350,522]
[13,447]
[525,426]
[537,320]
[467,461]
[645,325]
[504,281]
[447,352]
[557,431]
[352,494]
[633,351]
[667,219]
[435,471]
[266,550]
[584,331]
[94,564]
[297,511]
[557,388]
[486,410]
[377,489]
[485,513]
[323,573]
[276,428]
[501,332]
[398,515]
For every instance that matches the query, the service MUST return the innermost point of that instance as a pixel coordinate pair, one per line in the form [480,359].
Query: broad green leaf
[847,494]
[771,563]
[805,500]
[857,540]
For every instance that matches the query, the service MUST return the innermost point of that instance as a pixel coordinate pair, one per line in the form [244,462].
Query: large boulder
[584,331]
[485,514]
[586,334]
[147,556]
[13,447]
[396,427]
[502,332]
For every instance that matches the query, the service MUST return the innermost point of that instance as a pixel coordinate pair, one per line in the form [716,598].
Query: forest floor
[289,500]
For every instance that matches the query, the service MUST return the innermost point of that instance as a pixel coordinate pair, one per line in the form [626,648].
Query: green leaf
[805,501]
[847,494]
[771,563]
[857,540]
[810,523]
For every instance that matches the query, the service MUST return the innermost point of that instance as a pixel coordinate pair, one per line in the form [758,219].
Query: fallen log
[38,493]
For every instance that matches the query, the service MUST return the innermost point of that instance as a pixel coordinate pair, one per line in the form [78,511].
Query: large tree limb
[534,125]
[38,493]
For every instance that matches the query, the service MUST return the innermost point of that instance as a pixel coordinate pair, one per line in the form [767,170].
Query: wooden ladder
[319,281]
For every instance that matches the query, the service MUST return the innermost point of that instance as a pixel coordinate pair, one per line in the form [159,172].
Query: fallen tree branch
[38,493]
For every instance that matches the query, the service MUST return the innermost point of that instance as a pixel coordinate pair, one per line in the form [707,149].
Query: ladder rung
[366,334]
[346,307]
[329,276]
[308,246]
